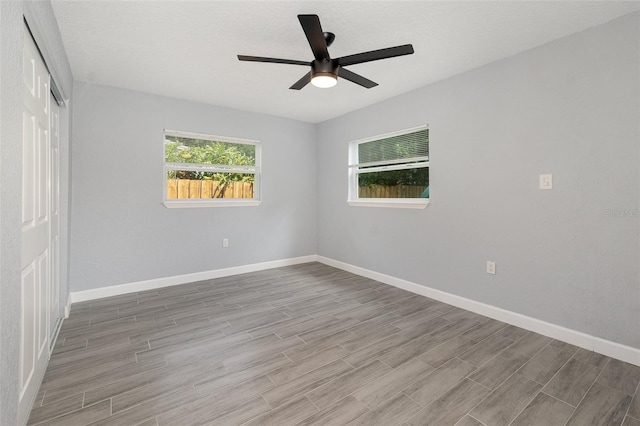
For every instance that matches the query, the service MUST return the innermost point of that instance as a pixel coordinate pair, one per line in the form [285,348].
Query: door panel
[28,170]
[27,342]
[43,171]
[43,285]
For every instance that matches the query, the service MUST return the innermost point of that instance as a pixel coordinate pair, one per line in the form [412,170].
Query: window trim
[398,203]
[405,203]
[214,202]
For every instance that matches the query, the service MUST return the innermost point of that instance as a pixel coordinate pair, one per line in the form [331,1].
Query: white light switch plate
[491,267]
[546,181]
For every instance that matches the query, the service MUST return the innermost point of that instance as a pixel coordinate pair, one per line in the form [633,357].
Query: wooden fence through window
[188,188]
[395,191]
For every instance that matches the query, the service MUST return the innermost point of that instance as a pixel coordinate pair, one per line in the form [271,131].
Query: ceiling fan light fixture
[324,80]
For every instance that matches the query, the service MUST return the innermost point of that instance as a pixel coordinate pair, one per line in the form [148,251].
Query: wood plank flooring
[314,345]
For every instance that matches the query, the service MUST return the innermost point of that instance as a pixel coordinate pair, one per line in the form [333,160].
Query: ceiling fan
[324,70]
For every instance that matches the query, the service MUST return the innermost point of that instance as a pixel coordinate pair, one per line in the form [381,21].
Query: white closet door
[36,224]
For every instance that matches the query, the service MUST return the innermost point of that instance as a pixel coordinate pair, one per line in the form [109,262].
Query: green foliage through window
[199,151]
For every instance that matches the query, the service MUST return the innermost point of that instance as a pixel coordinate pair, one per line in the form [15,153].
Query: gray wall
[122,233]
[11,101]
[10,204]
[570,108]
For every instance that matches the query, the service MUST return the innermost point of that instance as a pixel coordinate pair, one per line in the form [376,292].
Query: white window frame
[354,171]
[213,202]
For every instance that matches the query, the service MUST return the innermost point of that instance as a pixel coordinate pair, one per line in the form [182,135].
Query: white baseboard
[67,307]
[98,293]
[577,338]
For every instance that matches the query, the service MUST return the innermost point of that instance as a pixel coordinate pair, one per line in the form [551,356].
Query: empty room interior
[221,213]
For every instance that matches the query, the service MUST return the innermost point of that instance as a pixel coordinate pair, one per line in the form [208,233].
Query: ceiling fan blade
[306,79]
[315,36]
[356,78]
[376,55]
[272,60]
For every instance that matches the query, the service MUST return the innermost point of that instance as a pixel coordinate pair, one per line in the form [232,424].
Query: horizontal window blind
[408,147]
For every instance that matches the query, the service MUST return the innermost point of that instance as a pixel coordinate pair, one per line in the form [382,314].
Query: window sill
[184,204]
[419,203]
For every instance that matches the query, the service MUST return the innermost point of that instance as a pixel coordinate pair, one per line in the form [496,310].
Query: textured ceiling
[187,49]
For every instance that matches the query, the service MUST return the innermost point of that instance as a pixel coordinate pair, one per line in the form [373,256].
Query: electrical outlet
[546,181]
[491,267]
[225,242]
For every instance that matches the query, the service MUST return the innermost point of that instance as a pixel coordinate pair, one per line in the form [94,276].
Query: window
[208,171]
[390,170]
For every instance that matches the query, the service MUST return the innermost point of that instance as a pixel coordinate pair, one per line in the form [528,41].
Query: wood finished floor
[314,345]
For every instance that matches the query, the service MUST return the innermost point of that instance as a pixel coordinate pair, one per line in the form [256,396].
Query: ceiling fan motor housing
[326,67]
